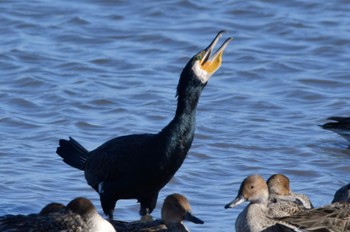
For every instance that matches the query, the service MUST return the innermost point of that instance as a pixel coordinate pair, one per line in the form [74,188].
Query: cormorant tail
[73,153]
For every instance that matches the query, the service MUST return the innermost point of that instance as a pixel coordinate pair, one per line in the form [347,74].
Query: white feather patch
[202,75]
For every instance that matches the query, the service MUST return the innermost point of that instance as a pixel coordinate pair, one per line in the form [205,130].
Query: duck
[257,216]
[282,201]
[254,218]
[138,166]
[79,215]
[339,125]
[329,218]
[175,210]
[52,208]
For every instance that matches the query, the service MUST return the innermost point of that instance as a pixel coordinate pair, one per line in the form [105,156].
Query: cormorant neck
[186,108]
[179,133]
[188,96]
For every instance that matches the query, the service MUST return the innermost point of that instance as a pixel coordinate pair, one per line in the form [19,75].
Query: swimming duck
[284,202]
[52,208]
[256,216]
[79,215]
[333,218]
[340,125]
[176,209]
[138,166]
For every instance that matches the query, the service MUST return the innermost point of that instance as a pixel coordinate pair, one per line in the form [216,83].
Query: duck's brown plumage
[257,217]
[175,209]
[333,218]
[79,215]
[283,201]
[51,208]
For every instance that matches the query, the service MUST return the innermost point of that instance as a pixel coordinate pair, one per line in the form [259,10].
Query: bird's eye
[252,186]
[199,57]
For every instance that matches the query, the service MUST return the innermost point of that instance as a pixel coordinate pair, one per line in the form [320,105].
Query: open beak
[212,62]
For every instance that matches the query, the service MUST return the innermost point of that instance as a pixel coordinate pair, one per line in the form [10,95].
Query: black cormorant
[138,166]
[340,125]
[342,194]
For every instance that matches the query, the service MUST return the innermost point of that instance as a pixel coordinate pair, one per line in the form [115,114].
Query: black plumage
[339,125]
[138,166]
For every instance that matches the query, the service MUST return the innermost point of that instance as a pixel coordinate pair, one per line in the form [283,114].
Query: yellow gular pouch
[204,68]
[206,63]
[211,66]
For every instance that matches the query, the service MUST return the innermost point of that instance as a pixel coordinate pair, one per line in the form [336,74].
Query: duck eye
[252,186]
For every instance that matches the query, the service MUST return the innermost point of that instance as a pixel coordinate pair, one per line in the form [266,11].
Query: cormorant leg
[147,205]
[108,205]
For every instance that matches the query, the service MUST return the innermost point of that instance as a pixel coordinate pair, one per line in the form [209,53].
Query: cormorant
[340,125]
[342,194]
[138,166]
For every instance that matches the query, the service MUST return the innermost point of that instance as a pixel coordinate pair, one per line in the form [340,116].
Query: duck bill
[190,217]
[239,200]
[212,62]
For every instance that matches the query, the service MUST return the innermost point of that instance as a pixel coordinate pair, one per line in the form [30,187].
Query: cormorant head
[203,65]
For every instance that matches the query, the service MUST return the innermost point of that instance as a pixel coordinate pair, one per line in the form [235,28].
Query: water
[95,70]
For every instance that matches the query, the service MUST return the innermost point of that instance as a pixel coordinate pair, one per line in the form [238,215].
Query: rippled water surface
[95,70]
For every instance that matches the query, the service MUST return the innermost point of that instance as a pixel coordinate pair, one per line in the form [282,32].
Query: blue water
[95,70]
